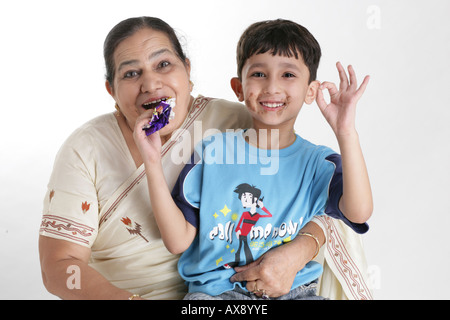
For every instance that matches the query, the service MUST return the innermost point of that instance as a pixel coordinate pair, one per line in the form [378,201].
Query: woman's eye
[131,74]
[163,64]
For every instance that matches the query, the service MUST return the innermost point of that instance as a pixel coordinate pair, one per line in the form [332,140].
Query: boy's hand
[340,112]
[149,146]
[356,202]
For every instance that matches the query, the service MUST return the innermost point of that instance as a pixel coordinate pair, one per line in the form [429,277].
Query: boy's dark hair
[245,187]
[280,37]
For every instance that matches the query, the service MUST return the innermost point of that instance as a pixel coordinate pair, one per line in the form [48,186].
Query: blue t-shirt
[220,193]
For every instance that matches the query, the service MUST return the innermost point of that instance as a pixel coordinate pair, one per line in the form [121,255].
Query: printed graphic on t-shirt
[246,232]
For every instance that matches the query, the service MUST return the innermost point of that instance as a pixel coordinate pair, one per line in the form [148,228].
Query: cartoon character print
[250,199]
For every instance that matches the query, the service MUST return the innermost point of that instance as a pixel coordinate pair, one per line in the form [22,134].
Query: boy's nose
[272,86]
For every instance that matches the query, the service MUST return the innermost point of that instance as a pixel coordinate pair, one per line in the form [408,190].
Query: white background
[52,81]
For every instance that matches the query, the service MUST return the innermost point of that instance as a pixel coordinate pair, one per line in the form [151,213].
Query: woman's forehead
[143,43]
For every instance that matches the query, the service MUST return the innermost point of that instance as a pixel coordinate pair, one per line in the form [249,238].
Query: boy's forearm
[356,202]
[176,232]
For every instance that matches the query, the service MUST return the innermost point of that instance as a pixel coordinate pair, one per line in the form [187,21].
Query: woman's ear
[187,64]
[312,92]
[236,85]
[109,88]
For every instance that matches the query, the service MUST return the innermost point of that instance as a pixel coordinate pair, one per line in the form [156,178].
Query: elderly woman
[98,237]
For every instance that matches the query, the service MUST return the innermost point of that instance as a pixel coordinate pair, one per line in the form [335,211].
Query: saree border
[345,266]
[66,228]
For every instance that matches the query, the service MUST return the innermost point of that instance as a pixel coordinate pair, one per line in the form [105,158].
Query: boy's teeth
[273,105]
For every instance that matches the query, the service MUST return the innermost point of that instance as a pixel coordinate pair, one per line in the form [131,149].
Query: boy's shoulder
[309,147]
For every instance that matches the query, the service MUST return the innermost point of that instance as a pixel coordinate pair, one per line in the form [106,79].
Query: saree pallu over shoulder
[121,193]
[128,250]
[345,272]
[181,135]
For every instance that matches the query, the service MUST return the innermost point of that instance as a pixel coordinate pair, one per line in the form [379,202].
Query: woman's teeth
[153,104]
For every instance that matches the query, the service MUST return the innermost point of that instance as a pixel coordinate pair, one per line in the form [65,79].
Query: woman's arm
[275,270]
[66,273]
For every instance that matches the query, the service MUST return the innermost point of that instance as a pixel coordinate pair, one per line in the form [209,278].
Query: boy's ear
[312,91]
[236,85]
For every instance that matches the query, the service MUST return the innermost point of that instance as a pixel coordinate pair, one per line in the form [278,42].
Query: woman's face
[147,69]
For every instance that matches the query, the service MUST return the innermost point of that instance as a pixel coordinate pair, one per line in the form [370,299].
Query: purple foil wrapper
[160,118]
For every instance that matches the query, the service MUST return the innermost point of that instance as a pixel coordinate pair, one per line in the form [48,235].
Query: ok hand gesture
[340,112]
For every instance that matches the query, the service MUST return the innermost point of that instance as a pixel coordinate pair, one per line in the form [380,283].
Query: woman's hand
[149,146]
[340,112]
[274,272]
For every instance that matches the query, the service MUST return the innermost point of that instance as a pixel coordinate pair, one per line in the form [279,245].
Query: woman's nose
[150,82]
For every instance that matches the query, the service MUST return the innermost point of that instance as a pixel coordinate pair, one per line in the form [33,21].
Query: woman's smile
[153,103]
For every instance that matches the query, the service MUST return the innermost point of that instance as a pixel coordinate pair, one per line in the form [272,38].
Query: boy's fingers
[352,74]
[321,100]
[363,86]
[332,89]
[342,76]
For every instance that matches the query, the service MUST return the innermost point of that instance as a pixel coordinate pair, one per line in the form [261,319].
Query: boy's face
[274,89]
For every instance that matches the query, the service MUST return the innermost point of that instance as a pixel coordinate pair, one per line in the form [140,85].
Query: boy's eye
[288,75]
[258,75]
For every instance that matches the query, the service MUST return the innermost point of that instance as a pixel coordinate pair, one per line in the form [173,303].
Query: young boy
[277,64]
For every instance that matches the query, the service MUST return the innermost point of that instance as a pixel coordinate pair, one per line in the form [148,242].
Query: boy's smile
[272,106]
[274,89]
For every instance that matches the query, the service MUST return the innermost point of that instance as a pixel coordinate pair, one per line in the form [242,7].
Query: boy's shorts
[304,292]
